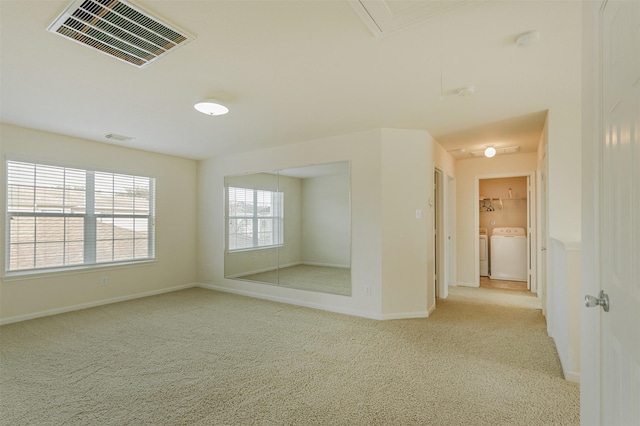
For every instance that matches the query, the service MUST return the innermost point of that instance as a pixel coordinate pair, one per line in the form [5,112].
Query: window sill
[72,270]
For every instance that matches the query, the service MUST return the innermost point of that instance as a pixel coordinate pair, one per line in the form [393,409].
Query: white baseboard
[289,301]
[465,284]
[330,265]
[572,376]
[65,309]
[406,315]
[431,309]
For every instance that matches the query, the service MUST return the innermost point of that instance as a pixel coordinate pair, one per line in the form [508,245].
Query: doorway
[443,218]
[507,202]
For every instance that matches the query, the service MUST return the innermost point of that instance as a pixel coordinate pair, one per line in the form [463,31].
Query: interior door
[620,213]
[436,232]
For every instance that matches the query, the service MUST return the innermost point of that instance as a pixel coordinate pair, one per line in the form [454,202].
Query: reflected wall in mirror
[291,228]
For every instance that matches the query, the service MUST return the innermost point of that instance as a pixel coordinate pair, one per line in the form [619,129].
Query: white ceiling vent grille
[118,29]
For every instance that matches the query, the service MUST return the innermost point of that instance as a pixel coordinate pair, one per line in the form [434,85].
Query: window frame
[277,231]
[89,238]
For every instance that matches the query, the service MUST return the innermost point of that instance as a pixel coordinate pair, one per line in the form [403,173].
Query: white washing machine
[484,253]
[509,254]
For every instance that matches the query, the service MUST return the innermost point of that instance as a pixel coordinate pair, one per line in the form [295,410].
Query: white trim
[465,284]
[406,315]
[81,306]
[32,274]
[441,232]
[572,376]
[590,342]
[328,265]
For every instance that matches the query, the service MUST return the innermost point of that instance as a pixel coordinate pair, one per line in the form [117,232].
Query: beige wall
[326,221]
[467,174]
[376,223]
[564,173]
[175,263]
[407,182]
[443,160]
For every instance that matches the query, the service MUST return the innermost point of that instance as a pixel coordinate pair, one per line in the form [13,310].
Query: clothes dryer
[509,254]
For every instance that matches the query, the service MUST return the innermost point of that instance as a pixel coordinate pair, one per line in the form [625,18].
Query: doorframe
[442,224]
[542,223]
[590,342]
[532,231]
[451,238]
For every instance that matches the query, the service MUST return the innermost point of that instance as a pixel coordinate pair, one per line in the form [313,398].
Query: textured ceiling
[292,71]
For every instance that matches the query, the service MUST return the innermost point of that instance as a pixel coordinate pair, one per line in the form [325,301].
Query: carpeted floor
[199,357]
[323,279]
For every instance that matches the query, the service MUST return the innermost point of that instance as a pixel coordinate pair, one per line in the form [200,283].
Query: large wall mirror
[290,228]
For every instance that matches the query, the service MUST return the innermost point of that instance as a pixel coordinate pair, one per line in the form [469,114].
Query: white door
[620,214]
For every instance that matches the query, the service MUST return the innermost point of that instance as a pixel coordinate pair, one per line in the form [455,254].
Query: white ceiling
[292,71]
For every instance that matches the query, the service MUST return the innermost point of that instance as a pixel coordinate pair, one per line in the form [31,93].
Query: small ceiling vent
[118,29]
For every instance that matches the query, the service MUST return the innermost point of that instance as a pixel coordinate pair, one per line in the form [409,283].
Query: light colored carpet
[200,357]
[323,279]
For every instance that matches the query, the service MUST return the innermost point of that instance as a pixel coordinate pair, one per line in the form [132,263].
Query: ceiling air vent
[118,29]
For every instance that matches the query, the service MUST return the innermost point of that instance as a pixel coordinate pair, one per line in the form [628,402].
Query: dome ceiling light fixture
[211,107]
[489,152]
[528,39]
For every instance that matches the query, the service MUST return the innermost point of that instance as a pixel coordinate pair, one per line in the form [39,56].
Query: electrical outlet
[367,291]
[104,280]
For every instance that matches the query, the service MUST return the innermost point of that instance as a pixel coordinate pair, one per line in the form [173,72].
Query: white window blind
[255,218]
[60,217]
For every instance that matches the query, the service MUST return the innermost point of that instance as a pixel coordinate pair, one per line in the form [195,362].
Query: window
[255,218]
[59,217]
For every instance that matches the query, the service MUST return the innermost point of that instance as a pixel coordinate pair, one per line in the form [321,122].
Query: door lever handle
[601,300]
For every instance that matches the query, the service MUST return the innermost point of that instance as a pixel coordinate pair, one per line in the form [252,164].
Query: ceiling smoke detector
[466,91]
[528,39]
[118,29]
[117,137]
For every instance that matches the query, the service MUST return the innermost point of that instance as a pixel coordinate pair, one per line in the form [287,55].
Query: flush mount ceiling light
[211,107]
[489,152]
[528,39]
[495,151]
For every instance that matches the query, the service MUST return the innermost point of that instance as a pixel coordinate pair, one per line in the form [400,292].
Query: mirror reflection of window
[255,218]
[291,228]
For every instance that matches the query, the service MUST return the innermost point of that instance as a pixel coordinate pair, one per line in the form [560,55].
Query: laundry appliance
[484,252]
[509,254]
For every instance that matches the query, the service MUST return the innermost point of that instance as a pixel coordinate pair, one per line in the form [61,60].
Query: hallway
[486,282]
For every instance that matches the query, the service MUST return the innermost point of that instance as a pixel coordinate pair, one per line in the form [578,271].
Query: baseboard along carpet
[201,357]
[323,279]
